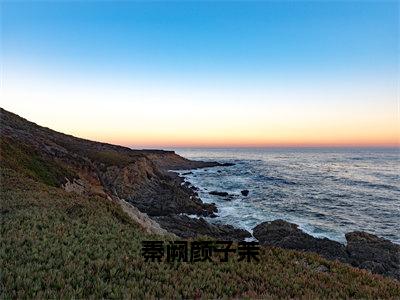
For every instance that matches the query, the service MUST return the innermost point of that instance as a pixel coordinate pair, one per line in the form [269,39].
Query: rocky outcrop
[187,227]
[224,195]
[287,235]
[141,177]
[220,194]
[150,226]
[89,167]
[226,164]
[154,192]
[363,250]
[169,160]
[370,252]
[245,193]
[76,185]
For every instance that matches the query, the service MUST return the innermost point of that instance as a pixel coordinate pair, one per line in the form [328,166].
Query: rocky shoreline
[142,183]
[186,227]
[363,250]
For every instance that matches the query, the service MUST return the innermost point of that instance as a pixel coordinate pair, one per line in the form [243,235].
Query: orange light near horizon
[278,114]
[226,143]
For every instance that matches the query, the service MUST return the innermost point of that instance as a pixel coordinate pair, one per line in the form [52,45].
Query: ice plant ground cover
[59,244]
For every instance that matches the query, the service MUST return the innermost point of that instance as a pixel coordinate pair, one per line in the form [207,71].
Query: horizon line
[294,144]
[360,146]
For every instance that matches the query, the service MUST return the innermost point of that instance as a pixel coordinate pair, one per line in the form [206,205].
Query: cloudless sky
[186,73]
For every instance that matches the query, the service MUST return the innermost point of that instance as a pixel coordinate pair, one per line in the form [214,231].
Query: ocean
[326,191]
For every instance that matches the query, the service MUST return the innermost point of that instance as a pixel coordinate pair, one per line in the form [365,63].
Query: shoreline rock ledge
[363,250]
[187,227]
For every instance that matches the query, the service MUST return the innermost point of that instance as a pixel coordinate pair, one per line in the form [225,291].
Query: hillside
[94,168]
[67,231]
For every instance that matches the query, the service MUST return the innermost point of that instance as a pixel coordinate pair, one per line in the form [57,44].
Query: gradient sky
[165,74]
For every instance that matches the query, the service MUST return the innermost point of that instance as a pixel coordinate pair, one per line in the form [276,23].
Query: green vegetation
[25,160]
[110,158]
[57,244]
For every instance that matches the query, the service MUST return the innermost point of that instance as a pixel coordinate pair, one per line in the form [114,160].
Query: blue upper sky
[198,44]
[256,37]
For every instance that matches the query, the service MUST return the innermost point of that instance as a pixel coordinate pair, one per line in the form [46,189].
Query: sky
[150,74]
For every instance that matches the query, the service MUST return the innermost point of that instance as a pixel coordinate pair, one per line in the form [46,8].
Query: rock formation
[186,227]
[140,177]
[363,250]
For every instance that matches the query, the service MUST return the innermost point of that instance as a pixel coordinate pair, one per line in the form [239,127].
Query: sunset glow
[184,84]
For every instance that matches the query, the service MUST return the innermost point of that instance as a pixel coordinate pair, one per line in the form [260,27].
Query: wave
[276,180]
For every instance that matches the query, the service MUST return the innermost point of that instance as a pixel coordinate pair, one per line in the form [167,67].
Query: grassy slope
[56,244]
[25,160]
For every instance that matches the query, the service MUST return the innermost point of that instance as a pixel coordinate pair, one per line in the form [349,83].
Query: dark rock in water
[245,192]
[363,250]
[376,254]
[187,173]
[226,164]
[229,198]
[287,235]
[186,227]
[219,171]
[221,194]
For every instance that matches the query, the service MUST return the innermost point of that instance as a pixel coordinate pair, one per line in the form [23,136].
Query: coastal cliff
[74,213]
[140,178]
[140,181]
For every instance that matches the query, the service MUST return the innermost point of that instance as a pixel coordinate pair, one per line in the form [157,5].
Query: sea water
[326,191]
